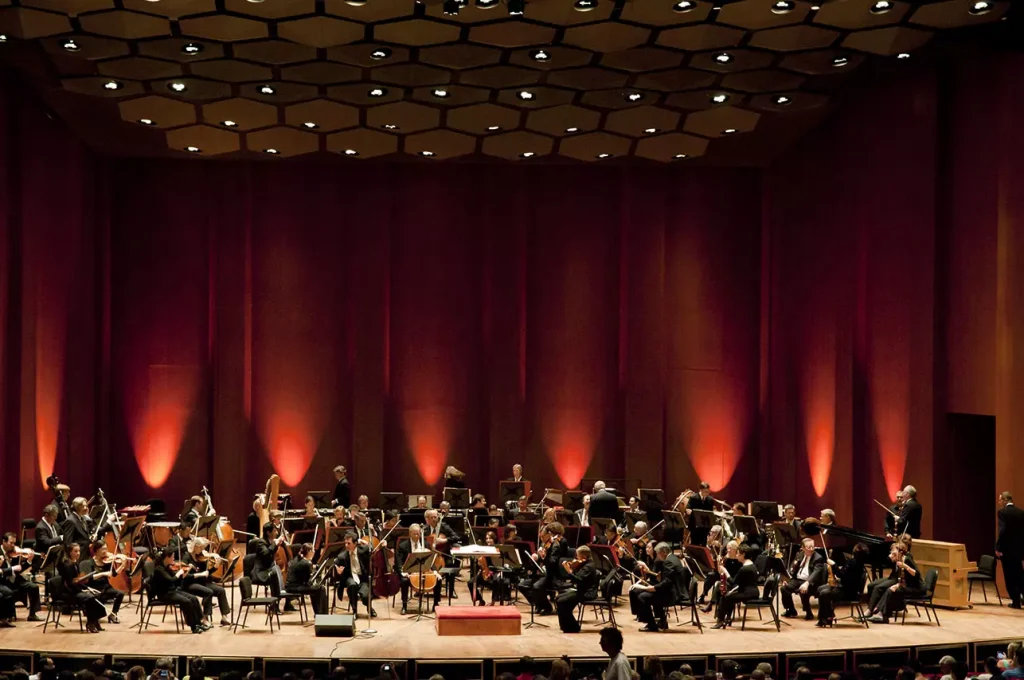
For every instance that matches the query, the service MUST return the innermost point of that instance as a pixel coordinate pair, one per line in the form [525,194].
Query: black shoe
[789,614]
[719,625]
[373,613]
[404,611]
[649,628]
[113,619]
[196,630]
[453,595]
[33,617]
[289,607]
[662,624]
[545,612]
[1014,605]
[8,624]
[808,616]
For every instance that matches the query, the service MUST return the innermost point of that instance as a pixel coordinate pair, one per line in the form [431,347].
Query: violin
[572,565]
[485,568]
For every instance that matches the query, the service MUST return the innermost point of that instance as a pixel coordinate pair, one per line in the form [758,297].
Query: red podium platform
[478,621]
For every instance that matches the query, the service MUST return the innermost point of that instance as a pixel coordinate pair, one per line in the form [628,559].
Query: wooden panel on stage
[951,561]
[478,620]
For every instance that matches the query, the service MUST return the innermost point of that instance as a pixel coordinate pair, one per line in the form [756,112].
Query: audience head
[611,641]
[197,667]
[135,673]
[559,670]
[765,668]
[758,675]
[598,486]
[730,669]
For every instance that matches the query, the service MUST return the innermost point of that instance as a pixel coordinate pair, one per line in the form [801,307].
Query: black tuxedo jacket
[745,581]
[672,576]
[342,493]
[343,561]
[817,576]
[264,563]
[890,521]
[403,551]
[442,528]
[603,504]
[554,556]
[585,580]
[1010,539]
[78,529]
[300,570]
[46,535]
[910,518]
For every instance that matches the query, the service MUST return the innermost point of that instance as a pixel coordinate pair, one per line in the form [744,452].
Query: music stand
[525,517]
[510,562]
[701,557]
[601,524]
[568,518]
[416,561]
[703,519]
[577,536]
[528,531]
[485,520]
[745,524]
[457,498]
[651,497]
[573,500]
[206,525]
[674,525]
[765,511]
[320,498]
[512,491]
[457,523]
[410,517]
[604,553]
[632,518]
[392,500]
[336,535]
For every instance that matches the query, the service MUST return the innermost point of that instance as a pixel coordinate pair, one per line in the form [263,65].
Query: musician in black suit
[893,514]
[166,584]
[300,571]
[603,503]
[849,586]
[699,501]
[741,587]
[47,530]
[192,510]
[1010,547]
[910,514]
[100,580]
[353,568]
[342,492]
[444,536]
[78,527]
[179,542]
[265,567]
[808,575]
[407,546]
[549,555]
[653,599]
[16,569]
[69,573]
[908,585]
[583,578]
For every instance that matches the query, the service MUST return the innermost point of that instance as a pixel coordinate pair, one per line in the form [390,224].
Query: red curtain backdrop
[795,332]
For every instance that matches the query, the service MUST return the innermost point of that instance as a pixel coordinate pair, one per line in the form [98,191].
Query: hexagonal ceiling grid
[653,79]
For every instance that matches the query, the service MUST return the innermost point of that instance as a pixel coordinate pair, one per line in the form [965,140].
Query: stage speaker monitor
[342,625]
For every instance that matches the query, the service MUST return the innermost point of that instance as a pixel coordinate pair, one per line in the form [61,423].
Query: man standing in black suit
[353,568]
[342,492]
[603,503]
[808,576]
[910,514]
[892,516]
[1010,547]
[701,501]
[78,527]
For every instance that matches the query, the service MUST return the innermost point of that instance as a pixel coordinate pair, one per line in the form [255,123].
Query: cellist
[300,571]
[407,546]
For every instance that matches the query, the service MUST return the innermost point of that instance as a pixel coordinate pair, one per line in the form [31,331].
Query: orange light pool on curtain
[159,407]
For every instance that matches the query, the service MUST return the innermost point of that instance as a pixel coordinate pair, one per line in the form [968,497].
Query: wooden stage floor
[400,637]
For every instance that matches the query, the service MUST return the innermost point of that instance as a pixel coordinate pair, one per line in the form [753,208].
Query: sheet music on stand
[632,518]
[206,525]
[701,556]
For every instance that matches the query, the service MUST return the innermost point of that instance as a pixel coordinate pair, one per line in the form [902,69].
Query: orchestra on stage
[692,555]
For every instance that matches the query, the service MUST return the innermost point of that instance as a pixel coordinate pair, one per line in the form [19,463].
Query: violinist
[17,570]
[412,544]
[48,530]
[849,586]
[732,560]
[265,567]
[878,587]
[443,538]
[584,579]
[550,555]
[809,574]
[353,568]
[652,599]
[523,506]
[486,577]
[549,516]
[179,543]
[101,567]
[739,588]
[166,583]
[702,500]
[362,528]
[339,519]
[199,583]
[300,571]
[76,587]
[78,527]
[907,585]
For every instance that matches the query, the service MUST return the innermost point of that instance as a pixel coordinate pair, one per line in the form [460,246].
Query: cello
[386,583]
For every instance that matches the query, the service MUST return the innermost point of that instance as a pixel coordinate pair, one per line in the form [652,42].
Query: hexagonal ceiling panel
[646,78]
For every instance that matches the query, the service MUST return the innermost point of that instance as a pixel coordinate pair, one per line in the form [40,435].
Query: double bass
[386,583]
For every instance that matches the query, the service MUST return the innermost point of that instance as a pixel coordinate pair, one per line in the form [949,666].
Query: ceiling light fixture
[229,123]
[255,2]
[783,7]
[3,38]
[584,5]
[310,125]
[650,131]
[427,154]
[525,95]
[450,8]
[177,86]
[679,156]
[782,100]
[881,7]
[729,131]
[815,8]
[147,121]
[723,57]
[192,149]
[71,46]
[350,152]
[493,128]
[903,55]
[192,48]
[440,93]
[602,156]
[389,126]
[720,98]
[487,4]
[378,91]
[527,154]
[980,7]
[571,130]
[541,55]
[380,53]
[633,96]
[355,3]
[267,90]
[840,62]
[683,6]
[516,8]
[272,152]
[112,85]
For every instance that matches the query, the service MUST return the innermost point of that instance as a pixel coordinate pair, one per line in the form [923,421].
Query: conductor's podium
[951,561]
[478,620]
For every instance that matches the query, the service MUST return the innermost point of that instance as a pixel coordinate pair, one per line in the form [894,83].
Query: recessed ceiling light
[723,57]
[427,154]
[3,38]
[815,8]
[527,154]
[267,89]
[450,8]
[112,85]
[516,7]
[493,128]
[903,55]
[679,156]
[729,131]
[378,91]
[255,2]
[604,155]
[980,7]
[525,95]
[683,6]
[881,7]
[146,121]
[570,130]
[541,55]
[177,86]
[650,131]
[350,152]
[584,5]
[229,123]
[272,152]
[192,149]
[71,46]
[840,62]
[192,48]
[634,96]
[440,92]
[782,100]
[783,7]
[380,53]
[720,98]
[487,4]
[355,3]
[389,126]
[310,125]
